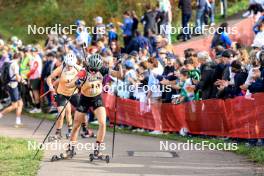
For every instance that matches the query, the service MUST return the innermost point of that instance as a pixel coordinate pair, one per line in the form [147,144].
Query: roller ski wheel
[97,156]
[68,155]
[55,158]
[54,138]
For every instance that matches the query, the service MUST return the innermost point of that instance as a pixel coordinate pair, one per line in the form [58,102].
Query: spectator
[206,84]
[34,77]
[259,38]
[201,5]
[186,8]
[258,23]
[255,6]
[227,90]
[137,43]
[221,37]
[223,4]
[164,19]
[15,78]
[112,34]
[149,20]
[127,27]
[99,30]
[116,50]
[135,22]
[212,12]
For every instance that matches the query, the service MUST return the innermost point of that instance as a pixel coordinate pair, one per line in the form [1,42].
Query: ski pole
[57,118]
[114,131]
[43,95]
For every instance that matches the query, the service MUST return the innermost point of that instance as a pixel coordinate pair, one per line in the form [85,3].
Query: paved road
[134,156]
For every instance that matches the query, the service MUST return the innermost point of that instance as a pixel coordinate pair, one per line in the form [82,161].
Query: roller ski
[70,153]
[97,155]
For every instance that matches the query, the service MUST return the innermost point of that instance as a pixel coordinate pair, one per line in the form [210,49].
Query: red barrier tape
[238,117]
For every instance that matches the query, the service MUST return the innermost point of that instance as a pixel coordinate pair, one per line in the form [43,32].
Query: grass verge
[254,154]
[16,159]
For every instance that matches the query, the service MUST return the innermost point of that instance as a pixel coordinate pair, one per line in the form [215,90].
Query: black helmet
[94,62]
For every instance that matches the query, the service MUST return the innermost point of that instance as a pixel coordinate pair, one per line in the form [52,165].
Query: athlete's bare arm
[54,75]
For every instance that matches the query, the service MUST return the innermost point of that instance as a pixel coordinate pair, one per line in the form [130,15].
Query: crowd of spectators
[146,59]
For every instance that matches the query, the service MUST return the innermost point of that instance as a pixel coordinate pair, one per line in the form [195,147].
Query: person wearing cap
[99,30]
[34,77]
[223,65]
[112,34]
[130,77]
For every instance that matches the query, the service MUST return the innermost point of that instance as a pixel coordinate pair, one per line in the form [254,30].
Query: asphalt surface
[134,156]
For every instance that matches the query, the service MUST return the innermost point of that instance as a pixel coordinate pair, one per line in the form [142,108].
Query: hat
[134,53]
[226,54]
[98,19]
[129,64]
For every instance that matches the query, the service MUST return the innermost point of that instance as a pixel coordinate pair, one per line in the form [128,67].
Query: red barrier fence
[238,117]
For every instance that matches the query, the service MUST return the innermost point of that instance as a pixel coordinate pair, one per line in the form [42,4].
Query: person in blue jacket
[127,27]
[221,37]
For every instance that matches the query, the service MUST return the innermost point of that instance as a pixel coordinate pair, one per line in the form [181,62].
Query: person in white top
[34,77]
[12,85]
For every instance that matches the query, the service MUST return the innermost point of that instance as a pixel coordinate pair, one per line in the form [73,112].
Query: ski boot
[70,153]
[99,156]
[56,137]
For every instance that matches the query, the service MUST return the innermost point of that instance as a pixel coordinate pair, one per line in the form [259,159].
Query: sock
[58,132]
[70,129]
[84,128]
[18,120]
[38,105]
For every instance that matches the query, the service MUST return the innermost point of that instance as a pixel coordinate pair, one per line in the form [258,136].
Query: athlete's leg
[100,114]
[68,114]
[59,123]
[79,118]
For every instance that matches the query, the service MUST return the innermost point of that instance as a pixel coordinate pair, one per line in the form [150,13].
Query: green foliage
[16,159]
[16,15]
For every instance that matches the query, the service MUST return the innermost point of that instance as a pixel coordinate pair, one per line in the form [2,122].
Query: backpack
[4,73]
